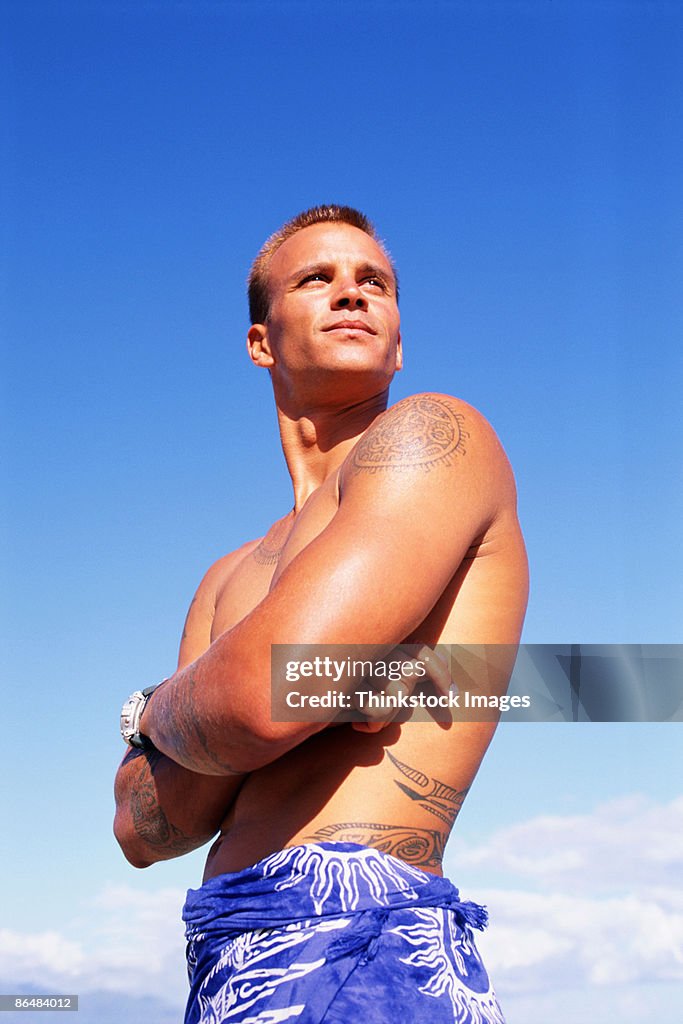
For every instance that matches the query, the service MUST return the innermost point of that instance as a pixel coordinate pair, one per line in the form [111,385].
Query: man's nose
[349,296]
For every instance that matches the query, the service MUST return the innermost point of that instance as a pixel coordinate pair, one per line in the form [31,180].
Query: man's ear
[399,353]
[258,347]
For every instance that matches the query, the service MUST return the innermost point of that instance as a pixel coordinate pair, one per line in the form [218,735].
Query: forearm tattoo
[418,846]
[149,819]
[175,713]
[418,431]
[436,797]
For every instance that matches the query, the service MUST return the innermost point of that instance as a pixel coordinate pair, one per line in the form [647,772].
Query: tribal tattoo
[264,555]
[418,846]
[419,431]
[149,820]
[180,724]
[436,797]
[269,550]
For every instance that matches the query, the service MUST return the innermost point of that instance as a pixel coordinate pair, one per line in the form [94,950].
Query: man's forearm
[163,810]
[214,717]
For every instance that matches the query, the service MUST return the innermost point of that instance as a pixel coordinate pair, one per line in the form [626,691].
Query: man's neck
[315,443]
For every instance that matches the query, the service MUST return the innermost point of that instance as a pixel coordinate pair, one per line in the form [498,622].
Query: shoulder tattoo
[419,431]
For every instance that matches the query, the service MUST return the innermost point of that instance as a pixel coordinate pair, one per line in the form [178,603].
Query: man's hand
[437,673]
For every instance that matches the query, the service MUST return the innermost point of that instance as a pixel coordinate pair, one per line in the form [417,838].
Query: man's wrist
[133,730]
[146,721]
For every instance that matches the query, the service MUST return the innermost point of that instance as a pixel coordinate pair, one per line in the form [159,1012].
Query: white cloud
[621,845]
[539,941]
[125,940]
[627,1004]
[48,948]
[595,898]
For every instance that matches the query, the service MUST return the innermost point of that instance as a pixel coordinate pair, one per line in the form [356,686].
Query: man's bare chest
[248,581]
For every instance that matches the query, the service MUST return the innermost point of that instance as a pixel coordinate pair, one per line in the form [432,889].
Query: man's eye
[313,277]
[377,281]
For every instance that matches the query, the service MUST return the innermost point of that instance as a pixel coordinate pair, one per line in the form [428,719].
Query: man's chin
[326,386]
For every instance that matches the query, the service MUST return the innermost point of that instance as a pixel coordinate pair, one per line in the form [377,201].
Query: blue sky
[523,162]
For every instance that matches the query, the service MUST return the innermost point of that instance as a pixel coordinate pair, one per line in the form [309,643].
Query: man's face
[333,308]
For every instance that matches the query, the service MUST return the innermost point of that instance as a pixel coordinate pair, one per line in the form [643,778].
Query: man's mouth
[350,325]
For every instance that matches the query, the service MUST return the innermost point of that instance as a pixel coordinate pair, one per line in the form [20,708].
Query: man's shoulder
[200,616]
[428,451]
[452,402]
[219,570]
[424,431]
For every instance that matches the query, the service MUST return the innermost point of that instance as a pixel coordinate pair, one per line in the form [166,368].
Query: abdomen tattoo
[417,846]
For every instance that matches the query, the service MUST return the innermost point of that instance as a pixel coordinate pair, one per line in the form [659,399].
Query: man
[323,896]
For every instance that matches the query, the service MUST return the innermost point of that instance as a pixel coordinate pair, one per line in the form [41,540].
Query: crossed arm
[162,809]
[424,482]
[422,485]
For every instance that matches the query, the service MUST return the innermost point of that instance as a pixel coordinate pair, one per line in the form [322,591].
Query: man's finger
[438,670]
[369,726]
[384,709]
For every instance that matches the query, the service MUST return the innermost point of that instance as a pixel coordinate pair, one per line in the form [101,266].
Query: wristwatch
[131,713]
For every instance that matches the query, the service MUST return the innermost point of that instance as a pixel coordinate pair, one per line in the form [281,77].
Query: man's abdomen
[398,791]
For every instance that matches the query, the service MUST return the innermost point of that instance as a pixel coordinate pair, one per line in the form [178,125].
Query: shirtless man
[404,530]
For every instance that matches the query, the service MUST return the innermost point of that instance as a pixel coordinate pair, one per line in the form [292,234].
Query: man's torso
[400,789]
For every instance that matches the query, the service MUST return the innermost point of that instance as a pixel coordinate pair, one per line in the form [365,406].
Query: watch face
[131,713]
[129,718]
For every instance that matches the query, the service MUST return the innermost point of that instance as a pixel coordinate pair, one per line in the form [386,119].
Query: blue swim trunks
[334,933]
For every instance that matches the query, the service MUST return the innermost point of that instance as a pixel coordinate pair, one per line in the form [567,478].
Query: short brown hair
[259,298]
